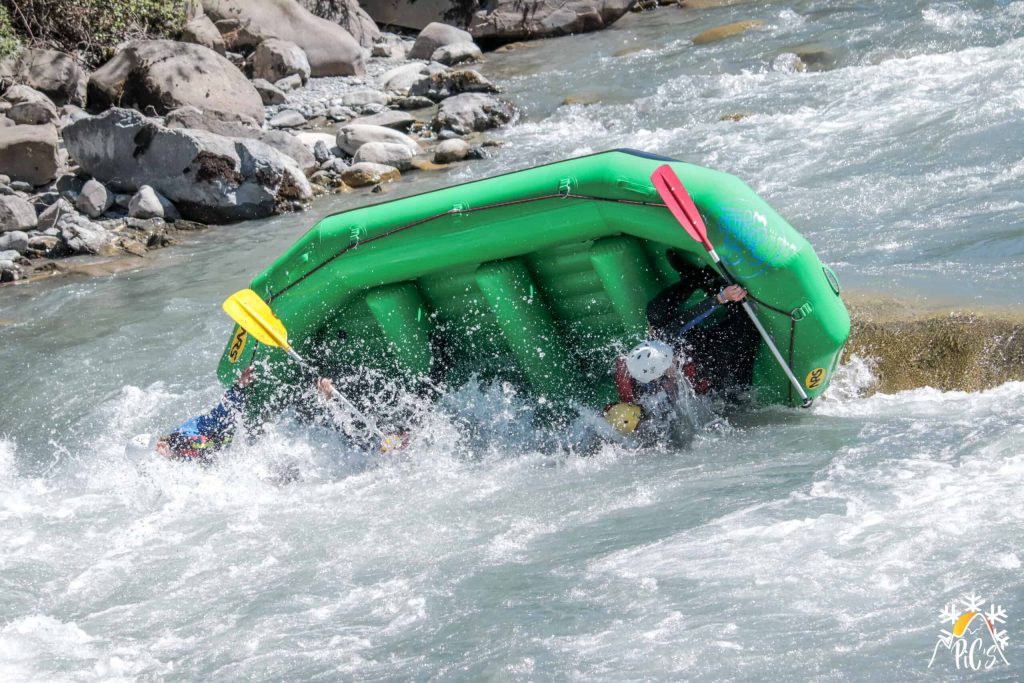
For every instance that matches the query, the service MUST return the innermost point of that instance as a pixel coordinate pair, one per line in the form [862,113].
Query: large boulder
[95,199]
[202,31]
[352,137]
[209,177]
[444,84]
[29,153]
[275,59]
[416,14]
[387,153]
[368,173]
[166,75]
[400,79]
[348,14]
[437,35]
[506,21]
[29,107]
[470,112]
[330,49]
[286,143]
[53,73]
[16,214]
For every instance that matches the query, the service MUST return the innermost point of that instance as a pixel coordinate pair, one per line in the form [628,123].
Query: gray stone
[340,113]
[148,203]
[348,14]
[284,142]
[398,120]
[70,113]
[10,255]
[167,75]
[29,107]
[329,48]
[53,213]
[413,102]
[390,46]
[416,14]
[362,96]
[240,37]
[387,153]
[47,244]
[53,73]
[434,36]
[208,177]
[202,31]
[457,54]
[21,186]
[367,173]
[84,237]
[269,93]
[275,59]
[322,152]
[16,240]
[94,199]
[451,150]
[335,165]
[16,214]
[352,137]
[5,179]
[445,84]
[400,79]
[505,21]
[470,112]
[287,118]
[289,83]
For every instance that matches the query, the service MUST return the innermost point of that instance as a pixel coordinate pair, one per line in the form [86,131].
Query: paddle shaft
[763,332]
[337,395]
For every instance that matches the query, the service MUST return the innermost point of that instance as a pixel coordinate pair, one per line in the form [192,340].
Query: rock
[349,15]
[352,137]
[816,56]
[284,142]
[287,118]
[167,75]
[329,48]
[444,84]
[504,21]
[289,83]
[208,177]
[416,102]
[29,107]
[94,199]
[202,31]
[451,150]
[367,173]
[386,153]
[275,59]
[436,35]
[390,46]
[340,113]
[400,79]
[322,152]
[85,237]
[6,122]
[457,54]
[52,214]
[16,214]
[16,240]
[21,186]
[29,153]
[361,97]
[55,74]
[336,165]
[240,37]
[5,179]
[70,113]
[269,93]
[726,31]
[10,271]
[45,244]
[397,120]
[309,140]
[417,14]
[469,112]
[148,203]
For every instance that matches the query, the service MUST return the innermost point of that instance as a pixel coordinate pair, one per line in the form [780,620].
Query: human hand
[325,387]
[731,293]
[246,378]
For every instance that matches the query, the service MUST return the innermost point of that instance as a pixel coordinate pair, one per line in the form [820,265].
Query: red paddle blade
[678,201]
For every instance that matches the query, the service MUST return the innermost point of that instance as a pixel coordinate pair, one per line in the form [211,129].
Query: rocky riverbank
[258,108]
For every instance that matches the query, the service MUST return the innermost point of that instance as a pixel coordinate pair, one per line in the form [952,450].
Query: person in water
[706,342]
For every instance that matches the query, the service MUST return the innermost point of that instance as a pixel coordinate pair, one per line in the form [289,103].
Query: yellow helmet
[625,417]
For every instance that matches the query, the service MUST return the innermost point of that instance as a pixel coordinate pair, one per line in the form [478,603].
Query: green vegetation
[90,29]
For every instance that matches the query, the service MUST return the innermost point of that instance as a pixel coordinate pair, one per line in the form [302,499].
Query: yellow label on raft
[237,344]
[814,378]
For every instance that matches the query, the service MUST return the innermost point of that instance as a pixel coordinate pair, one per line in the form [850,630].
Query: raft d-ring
[801,312]
[565,186]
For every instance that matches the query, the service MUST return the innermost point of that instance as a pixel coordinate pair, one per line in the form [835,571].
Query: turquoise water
[817,545]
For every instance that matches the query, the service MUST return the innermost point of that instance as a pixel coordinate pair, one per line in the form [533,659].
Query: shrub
[8,39]
[92,28]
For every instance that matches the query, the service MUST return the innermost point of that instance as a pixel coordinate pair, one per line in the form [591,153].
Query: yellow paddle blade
[255,317]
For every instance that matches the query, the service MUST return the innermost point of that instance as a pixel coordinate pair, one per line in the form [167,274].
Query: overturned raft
[537,277]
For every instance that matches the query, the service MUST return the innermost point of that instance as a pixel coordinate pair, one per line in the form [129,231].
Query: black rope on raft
[457,212]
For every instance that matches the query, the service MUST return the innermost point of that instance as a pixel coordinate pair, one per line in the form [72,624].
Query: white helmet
[649,361]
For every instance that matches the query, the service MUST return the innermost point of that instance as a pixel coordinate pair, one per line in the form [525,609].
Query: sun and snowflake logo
[972,635]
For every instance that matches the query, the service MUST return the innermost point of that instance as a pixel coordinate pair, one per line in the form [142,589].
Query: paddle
[678,201]
[255,317]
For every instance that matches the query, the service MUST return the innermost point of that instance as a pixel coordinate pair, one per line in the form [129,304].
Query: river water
[817,545]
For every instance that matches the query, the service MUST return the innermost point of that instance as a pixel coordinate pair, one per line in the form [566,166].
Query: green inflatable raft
[538,277]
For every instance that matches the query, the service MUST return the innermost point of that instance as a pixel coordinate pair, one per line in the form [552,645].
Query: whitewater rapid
[801,545]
